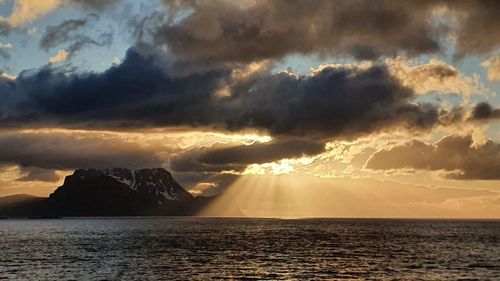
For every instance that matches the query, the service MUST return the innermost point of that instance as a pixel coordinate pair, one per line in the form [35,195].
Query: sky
[286,108]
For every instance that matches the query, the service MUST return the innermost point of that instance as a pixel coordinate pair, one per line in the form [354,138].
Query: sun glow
[282,167]
[299,196]
[261,196]
[285,196]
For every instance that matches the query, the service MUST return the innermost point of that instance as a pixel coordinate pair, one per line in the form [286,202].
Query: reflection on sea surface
[206,248]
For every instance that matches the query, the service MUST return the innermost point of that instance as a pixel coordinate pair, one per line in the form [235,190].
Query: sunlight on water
[249,249]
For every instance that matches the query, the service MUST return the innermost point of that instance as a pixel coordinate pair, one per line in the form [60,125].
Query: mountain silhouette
[110,192]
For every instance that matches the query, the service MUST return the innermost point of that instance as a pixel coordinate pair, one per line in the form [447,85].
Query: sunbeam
[298,196]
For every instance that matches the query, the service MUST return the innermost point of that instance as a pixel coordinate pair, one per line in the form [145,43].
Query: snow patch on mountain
[155,181]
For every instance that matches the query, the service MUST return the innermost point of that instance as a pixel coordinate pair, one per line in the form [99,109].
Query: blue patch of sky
[26,53]
[6,8]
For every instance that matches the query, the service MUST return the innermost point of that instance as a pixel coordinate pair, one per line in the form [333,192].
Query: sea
[191,248]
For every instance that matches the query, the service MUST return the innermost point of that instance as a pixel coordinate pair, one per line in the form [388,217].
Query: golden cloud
[492,66]
[28,10]
[61,55]
[435,76]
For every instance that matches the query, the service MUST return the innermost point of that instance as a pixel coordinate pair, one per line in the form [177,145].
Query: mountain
[21,205]
[115,192]
[18,199]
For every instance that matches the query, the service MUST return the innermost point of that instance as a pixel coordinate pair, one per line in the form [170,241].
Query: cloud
[189,163]
[66,32]
[220,158]
[205,184]
[7,77]
[4,50]
[104,39]
[38,174]
[215,32]
[26,11]
[226,31]
[478,25]
[5,27]
[434,76]
[262,152]
[484,111]
[95,4]
[32,31]
[116,61]
[458,156]
[245,31]
[58,34]
[66,151]
[492,66]
[333,102]
[136,93]
[61,55]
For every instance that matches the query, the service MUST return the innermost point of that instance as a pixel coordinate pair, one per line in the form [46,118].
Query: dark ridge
[109,192]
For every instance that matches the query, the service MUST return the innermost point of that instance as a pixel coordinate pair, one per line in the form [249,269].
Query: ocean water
[248,249]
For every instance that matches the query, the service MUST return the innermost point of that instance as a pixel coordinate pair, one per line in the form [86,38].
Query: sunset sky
[342,108]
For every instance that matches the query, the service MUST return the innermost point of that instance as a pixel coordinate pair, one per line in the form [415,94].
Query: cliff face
[118,191]
[110,192]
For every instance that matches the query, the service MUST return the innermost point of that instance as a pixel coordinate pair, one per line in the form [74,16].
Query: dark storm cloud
[452,154]
[237,31]
[334,102]
[484,111]
[236,158]
[58,151]
[137,92]
[38,174]
[479,23]
[262,152]
[189,162]
[214,32]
